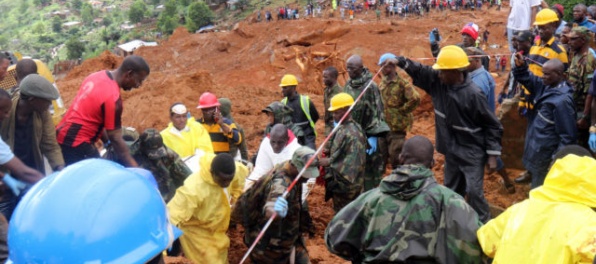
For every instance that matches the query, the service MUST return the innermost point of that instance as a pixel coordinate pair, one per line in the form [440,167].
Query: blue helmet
[385,57]
[93,211]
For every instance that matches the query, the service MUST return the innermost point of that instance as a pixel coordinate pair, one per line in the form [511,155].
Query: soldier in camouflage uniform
[400,99]
[344,167]
[255,207]
[279,113]
[167,167]
[368,113]
[580,74]
[226,111]
[331,88]
[410,218]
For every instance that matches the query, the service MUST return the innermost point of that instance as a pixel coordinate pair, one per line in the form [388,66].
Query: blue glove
[372,142]
[592,141]
[281,207]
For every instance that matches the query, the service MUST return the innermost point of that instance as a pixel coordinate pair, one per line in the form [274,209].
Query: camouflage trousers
[373,172]
[280,257]
[342,199]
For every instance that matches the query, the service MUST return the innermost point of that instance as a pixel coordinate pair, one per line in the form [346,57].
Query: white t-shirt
[267,159]
[521,12]
[5,153]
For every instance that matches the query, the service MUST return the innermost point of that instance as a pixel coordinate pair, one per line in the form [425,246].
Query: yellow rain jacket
[201,209]
[555,225]
[187,141]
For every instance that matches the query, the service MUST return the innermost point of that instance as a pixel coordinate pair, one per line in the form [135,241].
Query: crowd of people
[197,178]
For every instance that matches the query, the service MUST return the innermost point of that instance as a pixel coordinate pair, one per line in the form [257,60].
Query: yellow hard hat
[546,16]
[288,80]
[451,58]
[340,100]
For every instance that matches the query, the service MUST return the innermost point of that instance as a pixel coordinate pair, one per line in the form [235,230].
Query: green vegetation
[199,15]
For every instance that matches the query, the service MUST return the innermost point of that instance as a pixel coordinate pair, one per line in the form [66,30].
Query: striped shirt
[540,53]
[221,141]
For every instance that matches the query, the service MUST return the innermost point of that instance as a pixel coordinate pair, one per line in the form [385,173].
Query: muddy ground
[246,64]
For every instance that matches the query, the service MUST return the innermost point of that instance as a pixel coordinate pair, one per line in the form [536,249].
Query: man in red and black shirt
[96,107]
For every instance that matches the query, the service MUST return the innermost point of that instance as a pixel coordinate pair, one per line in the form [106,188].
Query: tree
[57,24]
[76,4]
[75,48]
[170,8]
[38,28]
[23,6]
[167,24]
[87,13]
[184,3]
[137,11]
[40,2]
[106,21]
[199,15]
[155,2]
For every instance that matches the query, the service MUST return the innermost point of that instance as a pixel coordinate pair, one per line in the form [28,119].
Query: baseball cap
[179,109]
[36,86]
[559,8]
[152,144]
[524,35]
[385,57]
[299,159]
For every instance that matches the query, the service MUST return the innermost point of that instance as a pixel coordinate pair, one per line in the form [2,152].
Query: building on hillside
[96,4]
[63,14]
[129,47]
[71,24]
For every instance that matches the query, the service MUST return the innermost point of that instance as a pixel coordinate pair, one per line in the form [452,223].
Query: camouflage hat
[582,32]
[36,86]
[301,157]
[524,35]
[152,144]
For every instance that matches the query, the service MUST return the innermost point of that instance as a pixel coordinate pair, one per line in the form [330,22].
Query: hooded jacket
[557,224]
[201,209]
[408,218]
[186,142]
[552,122]
[465,126]
[282,114]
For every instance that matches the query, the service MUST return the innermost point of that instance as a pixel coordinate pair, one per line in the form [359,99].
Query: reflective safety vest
[305,105]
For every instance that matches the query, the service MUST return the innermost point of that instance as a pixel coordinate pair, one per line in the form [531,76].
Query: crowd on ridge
[194,179]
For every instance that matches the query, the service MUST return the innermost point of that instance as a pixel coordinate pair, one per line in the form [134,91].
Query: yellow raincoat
[186,142]
[201,209]
[555,225]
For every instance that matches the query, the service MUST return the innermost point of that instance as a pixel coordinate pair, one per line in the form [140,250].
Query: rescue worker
[277,147]
[23,68]
[368,113]
[486,83]
[469,34]
[283,239]
[580,75]
[434,38]
[467,131]
[168,169]
[241,151]
[29,130]
[279,113]
[222,131]
[201,208]
[98,107]
[332,88]
[400,99]
[410,218]
[93,212]
[185,136]
[556,224]
[18,169]
[552,122]
[345,159]
[304,111]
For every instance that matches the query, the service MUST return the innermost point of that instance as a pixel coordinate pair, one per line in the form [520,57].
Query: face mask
[335,124]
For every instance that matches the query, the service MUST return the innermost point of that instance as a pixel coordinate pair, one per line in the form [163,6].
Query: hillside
[246,64]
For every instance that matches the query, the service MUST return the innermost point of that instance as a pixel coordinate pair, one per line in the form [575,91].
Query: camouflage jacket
[348,152]
[169,172]
[399,99]
[283,232]
[368,112]
[328,94]
[409,218]
[580,72]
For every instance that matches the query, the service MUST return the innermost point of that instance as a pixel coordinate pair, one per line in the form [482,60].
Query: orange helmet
[208,100]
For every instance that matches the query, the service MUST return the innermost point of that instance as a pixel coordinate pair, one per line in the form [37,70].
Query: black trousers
[81,152]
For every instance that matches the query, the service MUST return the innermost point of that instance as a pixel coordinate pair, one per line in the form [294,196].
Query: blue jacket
[552,122]
[486,83]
